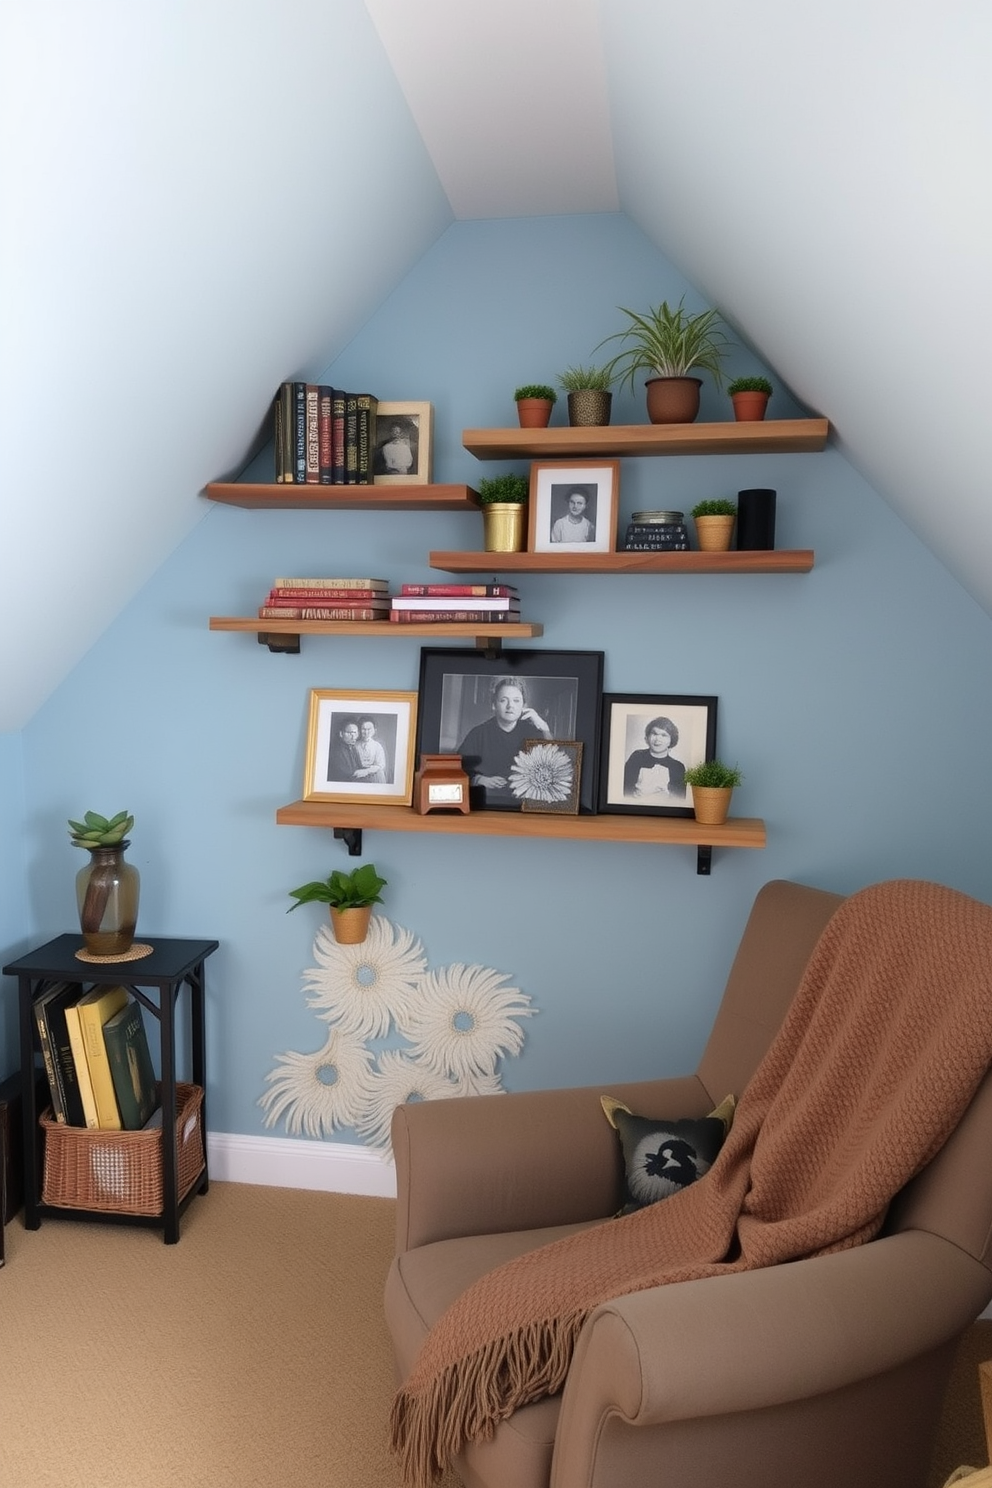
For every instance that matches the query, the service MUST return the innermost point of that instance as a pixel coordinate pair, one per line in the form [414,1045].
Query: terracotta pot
[711,803]
[673,400]
[714,534]
[749,407]
[351,926]
[589,406]
[504,524]
[534,413]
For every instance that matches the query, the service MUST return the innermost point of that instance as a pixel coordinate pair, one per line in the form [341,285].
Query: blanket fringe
[464,1402]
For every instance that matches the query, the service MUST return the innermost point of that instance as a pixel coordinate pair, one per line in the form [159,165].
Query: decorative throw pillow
[660,1156]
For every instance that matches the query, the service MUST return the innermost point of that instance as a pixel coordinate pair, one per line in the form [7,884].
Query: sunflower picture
[545,775]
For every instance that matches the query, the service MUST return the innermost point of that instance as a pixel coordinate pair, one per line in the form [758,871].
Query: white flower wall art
[457,1023]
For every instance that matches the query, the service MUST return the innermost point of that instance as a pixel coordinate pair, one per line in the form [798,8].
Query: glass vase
[107,895]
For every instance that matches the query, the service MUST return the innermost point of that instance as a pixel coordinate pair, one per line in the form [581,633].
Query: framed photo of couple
[360,746]
[649,741]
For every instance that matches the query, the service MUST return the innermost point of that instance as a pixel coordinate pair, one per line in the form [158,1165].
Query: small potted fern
[535,401]
[712,785]
[714,524]
[349,897]
[504,509]
[589,397]
[749,396]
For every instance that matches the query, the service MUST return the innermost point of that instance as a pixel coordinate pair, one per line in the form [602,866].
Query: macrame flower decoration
[461,1019]
[457,1022]
[397,1078]
[363,987]
[317,1092]
[542,773]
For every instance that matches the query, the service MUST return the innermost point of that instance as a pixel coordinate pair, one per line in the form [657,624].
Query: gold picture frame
[404,436]
[360,746]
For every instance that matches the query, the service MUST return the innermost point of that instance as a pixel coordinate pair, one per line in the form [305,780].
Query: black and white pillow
[661,1156]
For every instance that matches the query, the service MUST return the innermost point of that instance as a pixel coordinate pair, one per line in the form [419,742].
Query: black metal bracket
[289,644]
[490,646]
[353,837]
[704,858]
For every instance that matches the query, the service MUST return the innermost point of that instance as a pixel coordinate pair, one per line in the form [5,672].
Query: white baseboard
[283,1162]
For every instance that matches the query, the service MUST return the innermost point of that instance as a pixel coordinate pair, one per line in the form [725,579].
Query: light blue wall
[855,699]
[15,920]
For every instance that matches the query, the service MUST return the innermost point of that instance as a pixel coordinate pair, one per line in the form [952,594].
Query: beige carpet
[253,1354]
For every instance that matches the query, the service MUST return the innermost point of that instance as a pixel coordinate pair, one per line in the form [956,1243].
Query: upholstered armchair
[821,1373]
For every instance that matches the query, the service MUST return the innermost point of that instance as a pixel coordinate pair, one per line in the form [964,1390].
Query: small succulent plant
[100,831]
[536,390]
[750,385]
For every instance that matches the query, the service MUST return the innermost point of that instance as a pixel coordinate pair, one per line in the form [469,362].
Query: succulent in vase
[100,831]
[107,887]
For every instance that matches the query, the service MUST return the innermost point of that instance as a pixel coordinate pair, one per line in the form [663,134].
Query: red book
[458,589]
[322,612]
[313,433]
[320,596]
[472,617]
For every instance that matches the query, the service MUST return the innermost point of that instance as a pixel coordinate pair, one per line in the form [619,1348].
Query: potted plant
[749,396]
[107,887]
[712,785]
[349,896]
[504,506]
[667,344]
[589,395]
[714,524]
[535,401]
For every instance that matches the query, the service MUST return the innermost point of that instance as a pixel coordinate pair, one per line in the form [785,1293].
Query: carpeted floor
[253,1354]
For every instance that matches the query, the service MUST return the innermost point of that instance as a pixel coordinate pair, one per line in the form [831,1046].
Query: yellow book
[93,1010]
[83,1080]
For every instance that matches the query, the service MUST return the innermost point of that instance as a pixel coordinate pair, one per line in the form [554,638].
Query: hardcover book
[131,1067]
[323,612]
[82,1067]
[93,1009]
[313,434]
[300,433]
[455,602]
[338,411]
[454,589]
[333,583]
[368,406]
[53,1034]
[433,617]
[326,398]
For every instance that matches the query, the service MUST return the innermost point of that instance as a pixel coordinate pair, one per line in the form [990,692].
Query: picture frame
[581,497]
[404,436]
[637,776]
[460,692]
[554,788]
[348,762]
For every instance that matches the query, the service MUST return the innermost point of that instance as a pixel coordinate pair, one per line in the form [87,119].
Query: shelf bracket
[704,858]
[290,644]
[353,837]
[490,646]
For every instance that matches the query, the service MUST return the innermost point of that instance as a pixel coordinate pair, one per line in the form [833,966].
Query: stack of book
[433,603]
[656,532]
[323,435]
[326,599]
[96,1055]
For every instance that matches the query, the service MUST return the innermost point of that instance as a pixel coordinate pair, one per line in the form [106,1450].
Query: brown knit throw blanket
[887,1040]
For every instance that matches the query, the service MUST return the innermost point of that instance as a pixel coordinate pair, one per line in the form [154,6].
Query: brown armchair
[826,1373]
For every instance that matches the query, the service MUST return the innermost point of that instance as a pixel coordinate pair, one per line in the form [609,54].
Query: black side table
[172,965]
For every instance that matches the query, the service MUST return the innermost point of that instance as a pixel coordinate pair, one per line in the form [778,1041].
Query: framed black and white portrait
[403,447]
[360,746]
[573,507]
[649,741]
[487,709]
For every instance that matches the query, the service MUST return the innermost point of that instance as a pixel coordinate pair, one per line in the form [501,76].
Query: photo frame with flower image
[548,771]
[360,746]
[573,507]
[487,708]
[402,451]
[650,739]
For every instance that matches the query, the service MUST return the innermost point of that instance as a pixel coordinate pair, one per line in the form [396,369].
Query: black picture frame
[456,698]
[626,757]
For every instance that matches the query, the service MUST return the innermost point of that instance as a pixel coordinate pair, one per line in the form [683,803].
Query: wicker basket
[120,1172]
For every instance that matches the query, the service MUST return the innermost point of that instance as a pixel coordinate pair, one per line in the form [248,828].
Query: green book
[130,1062]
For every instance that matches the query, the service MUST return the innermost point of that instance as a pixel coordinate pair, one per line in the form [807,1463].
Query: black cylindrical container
[755,519]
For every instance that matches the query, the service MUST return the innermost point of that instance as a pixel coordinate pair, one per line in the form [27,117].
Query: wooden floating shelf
[344,498]
[348,821]
[763,561]
[765,436]
[284,635]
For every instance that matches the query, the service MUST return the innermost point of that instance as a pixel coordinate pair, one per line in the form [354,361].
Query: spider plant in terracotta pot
[589,396]
[349,897]
[712,785]
[668,344]
[749,396]
[534,401]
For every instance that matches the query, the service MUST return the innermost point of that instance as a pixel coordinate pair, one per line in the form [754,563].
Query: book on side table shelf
[53,1035]
[131,1065]
[93,1010]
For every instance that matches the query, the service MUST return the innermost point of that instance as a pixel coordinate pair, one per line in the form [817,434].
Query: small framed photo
[548,771]
[649,741]
[360,746]
[403,451]
[488,710]
[573,508]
